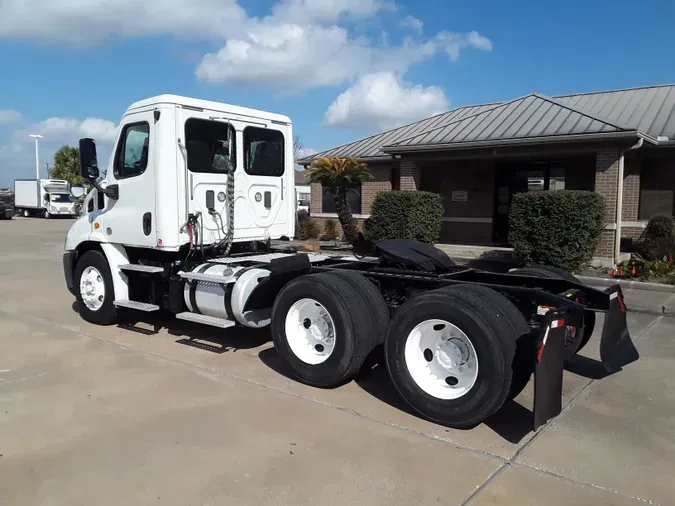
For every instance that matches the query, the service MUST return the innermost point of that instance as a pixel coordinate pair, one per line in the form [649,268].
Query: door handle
[268,200]
[147,223]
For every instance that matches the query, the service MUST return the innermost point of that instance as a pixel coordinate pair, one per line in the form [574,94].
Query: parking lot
[186,415]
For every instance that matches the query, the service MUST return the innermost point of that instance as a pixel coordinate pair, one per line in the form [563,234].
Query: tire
[467,401]
[584,332]
[522,363]
[94,266]
[329,363]
[26,214]
[377,307]
[47,215]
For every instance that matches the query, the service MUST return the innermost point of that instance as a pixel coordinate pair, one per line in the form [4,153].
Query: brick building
[619,143]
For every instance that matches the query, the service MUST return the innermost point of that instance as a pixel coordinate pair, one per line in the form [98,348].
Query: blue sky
[341,69]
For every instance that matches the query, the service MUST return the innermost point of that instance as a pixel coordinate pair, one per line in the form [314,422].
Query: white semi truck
[192,183]
[43,197]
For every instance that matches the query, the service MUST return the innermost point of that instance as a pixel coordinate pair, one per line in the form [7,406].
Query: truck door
[210,142]
[130,219]
[263,178]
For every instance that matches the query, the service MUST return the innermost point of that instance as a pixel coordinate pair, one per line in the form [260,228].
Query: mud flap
[548,371]
[616,346]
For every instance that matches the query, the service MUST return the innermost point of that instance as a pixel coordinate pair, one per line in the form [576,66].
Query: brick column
[631,189]
[606,184]
[316,201]
[369,189]
[410,176]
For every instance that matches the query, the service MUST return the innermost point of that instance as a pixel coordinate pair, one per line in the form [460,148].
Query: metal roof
[369,148]
[523,118]
[649,111]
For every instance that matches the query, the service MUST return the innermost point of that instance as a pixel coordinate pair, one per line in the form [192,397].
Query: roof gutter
[560,139]
[309,160]
[619,199]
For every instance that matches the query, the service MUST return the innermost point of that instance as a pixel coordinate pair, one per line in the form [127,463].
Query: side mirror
[77,190]
[88,160]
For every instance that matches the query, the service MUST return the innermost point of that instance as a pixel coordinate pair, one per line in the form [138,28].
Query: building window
[208,146]
[303,196]
[657,188]
[353,197]
[263,152]
[132,152]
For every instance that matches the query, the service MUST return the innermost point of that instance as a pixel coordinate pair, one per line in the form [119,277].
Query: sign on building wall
[460,196]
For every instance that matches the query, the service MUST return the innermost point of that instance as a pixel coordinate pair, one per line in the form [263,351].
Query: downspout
[619,201]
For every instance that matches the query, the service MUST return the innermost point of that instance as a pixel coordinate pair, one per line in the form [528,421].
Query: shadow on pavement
[512,422]
[586,367]
[194,335]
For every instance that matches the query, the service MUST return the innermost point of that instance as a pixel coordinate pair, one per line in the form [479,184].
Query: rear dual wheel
[324,326]
[449,355]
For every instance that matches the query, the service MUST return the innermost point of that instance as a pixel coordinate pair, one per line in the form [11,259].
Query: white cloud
[291,56]
[287,56]
[69,130]
[412,23]
[17,157]
[303,152]
[453,43]
[87,22]
[327,11]
[9,116]
[382,101]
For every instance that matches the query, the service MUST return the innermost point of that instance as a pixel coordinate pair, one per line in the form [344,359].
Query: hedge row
[405,214]
[559,228]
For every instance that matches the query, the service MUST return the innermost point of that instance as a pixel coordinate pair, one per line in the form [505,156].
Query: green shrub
[658,241]
[307,228]
[559,228]
[330,231]
[405,215]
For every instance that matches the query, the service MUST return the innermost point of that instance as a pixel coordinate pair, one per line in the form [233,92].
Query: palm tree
[340,175]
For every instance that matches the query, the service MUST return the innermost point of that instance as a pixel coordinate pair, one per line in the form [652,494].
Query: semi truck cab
[166,185]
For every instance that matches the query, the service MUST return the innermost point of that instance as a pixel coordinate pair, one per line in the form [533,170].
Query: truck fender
[116,256]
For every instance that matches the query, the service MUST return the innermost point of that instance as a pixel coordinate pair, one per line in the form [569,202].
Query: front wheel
[94,289]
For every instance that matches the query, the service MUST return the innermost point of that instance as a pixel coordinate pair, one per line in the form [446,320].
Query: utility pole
[37,156]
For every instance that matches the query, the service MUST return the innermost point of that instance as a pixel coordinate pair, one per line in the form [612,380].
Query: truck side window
[131,158]
[263,152]
[208,146]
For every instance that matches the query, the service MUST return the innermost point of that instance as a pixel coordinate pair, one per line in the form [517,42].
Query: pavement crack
[485,484]
[581,483]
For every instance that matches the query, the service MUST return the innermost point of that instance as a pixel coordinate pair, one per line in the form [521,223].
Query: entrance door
[516,178]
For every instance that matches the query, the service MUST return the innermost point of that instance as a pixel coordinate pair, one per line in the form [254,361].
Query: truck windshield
[59,197]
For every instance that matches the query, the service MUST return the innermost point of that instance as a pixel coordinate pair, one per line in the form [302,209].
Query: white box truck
[191,182]
[43,197]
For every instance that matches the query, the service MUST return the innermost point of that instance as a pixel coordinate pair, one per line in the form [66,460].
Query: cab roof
[208,105]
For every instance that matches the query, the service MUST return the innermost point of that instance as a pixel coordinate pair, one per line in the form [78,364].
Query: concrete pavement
[189,415]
